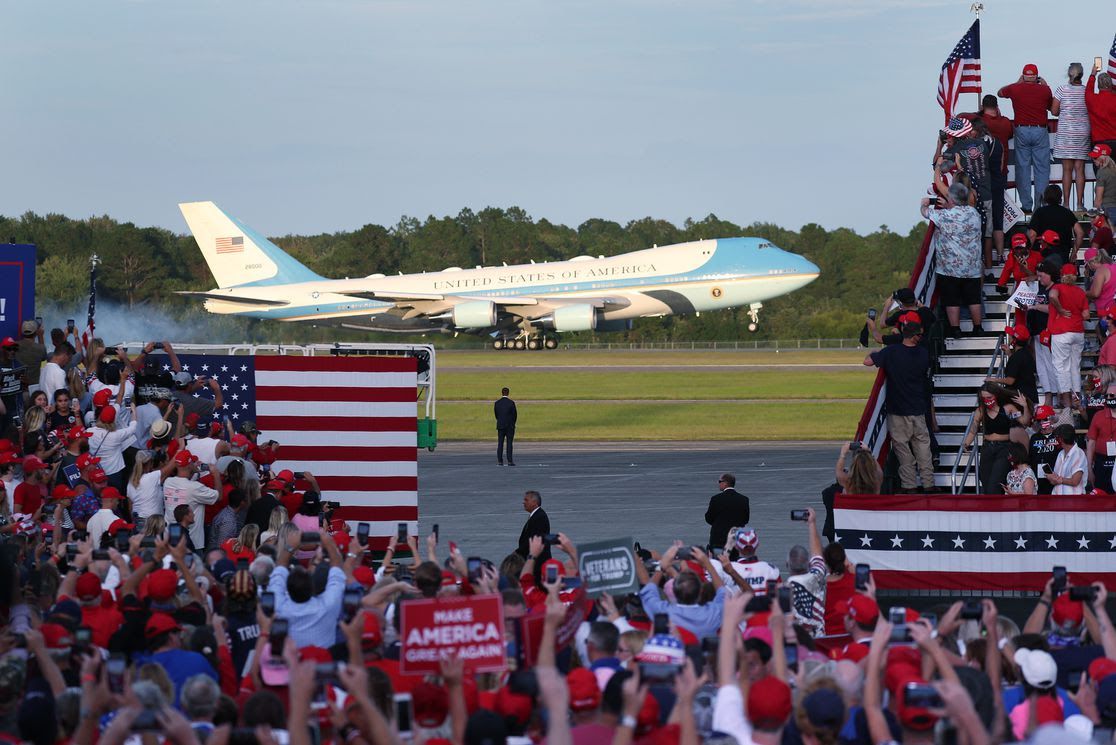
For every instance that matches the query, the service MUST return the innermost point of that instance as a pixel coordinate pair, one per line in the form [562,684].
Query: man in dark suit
[727,509]
[504,408]
[537,524]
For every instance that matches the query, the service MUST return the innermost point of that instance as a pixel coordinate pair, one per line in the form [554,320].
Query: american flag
[978,543]
[961,70]
[230,245]
[87,333]
[1112,57]
[351,421]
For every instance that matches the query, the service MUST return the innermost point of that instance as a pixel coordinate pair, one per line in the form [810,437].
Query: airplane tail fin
[238,255]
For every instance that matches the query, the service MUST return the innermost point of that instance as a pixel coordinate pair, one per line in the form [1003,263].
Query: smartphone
[658,672]
[101,554]
[551,574]
[972,610]
[278,636]
[362,533]
[83,638]
[785,599]
[122,542]
[872,313]
[116,668]
[1073,680]
[897,614]
[39,320]
[242,564]
[716,552]
[800,515]
[1088,593]
[1059,585]
[922,696]
[684,554]
[146,721]
[791,651]
[1097,63]
[71,552]
[931,618]
[662,623]
[772,586]
[311,537]
[350,603]
[709,647]
[267,603]
[550,539]
[435,532]
[174,533]
[862,572]
[403,716]
[299,474]
[148,542]
[70,324]
[401,533]
[158,345]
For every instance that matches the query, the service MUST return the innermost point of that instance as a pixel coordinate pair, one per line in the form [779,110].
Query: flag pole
[977,9]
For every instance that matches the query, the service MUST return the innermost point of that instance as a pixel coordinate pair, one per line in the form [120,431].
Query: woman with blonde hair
[145,487]
[244,545]
[278,519]
[155,527]
[78,392]
[34,419]
[1071,142]
[1104,195]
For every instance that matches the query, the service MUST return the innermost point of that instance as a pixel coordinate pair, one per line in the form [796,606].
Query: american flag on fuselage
[351,421]
[961,71]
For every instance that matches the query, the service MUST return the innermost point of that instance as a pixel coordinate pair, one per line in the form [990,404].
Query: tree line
[142,267]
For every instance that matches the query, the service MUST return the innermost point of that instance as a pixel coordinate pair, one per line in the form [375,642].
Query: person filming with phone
[312,618]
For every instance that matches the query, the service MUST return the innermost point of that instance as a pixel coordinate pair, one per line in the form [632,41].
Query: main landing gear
[753,313]
[533,342]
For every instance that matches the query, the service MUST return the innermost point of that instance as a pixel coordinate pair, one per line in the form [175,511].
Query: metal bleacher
[960,367]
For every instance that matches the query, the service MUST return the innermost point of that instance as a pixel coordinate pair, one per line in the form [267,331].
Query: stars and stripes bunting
[230,245]
[1112,57]
[91,312]
[351,421]
[961,71]
[981,543]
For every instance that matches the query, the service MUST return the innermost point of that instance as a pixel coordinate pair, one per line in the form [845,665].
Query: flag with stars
[351,421]
[961,70]
[1112,58]
[978,543]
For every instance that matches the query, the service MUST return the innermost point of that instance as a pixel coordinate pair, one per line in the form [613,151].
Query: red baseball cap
[1069,270]
[1019,239]
[769,703]
[1100,149]
[1049,236]
[585,693]
[88,586]
[56,636]
[286,475]
[863,610]
[75,432]
[111,492]
[1030,69]
[1019,333]
[6,445]
[240,441]
[9,342]
[162,584]
[160,623]
[913,717]
[184,458]
[107,415]
[1101,668]
[431,704]
[32,463]
[191,420]
[365,576]
[1066,613]
[275,485]
[85,460]
[118,525]
[372,635]
[97,475]
[1044,412]
[62,492]
[102,397]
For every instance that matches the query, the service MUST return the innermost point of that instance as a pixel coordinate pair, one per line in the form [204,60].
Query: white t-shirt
[98,524]
[205,448]
[147,498]
[756,573]
[110,446]
[178,490]
[51,378]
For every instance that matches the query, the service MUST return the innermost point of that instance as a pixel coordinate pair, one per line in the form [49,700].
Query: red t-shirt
[1013,270]
[27,498]
[244,553]
[1102,430]
[1073,299]
[102,622]
[1031,102]
[838,591]
[1102,111]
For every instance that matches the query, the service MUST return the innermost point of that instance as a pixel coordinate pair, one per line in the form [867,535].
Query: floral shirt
[957,241]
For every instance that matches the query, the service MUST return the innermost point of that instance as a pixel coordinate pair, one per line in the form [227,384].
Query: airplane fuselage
[682,278]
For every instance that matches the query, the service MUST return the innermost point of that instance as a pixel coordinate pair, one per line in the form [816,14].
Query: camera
[800,515]
[973,610]
[922,696]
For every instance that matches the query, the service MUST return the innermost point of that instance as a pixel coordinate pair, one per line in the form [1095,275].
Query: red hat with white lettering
[1019,240]
[1099,150]
[1051,237]
[1030,69]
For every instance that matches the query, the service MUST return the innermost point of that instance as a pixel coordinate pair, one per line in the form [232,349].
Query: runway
[652,491]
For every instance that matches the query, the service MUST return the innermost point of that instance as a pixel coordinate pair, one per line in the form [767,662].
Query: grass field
[814,395]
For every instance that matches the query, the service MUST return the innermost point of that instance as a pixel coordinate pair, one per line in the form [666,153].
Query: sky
[305,117]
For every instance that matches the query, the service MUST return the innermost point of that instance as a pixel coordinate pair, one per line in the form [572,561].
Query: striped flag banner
[350,421]
[1112,58]
[230,245]
[978,543]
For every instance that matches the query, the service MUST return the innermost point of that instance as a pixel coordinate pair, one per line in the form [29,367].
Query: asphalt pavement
[652,491]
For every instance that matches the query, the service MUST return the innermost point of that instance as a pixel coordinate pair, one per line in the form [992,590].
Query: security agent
[506,415]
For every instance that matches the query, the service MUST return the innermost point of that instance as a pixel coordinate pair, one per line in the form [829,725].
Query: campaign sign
[17,287]
[1013,213]
[531,625]
[471,627]
[1025,295]
[608,566]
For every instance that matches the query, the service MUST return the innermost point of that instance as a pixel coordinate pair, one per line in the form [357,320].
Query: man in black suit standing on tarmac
[538,523]
[727,509]
[504,408]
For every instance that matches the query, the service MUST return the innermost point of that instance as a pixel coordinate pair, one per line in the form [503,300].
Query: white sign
[1025,295]
[1012,212]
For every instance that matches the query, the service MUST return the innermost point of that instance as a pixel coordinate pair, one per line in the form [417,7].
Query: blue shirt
[701,620]
[313,623]
[181,665]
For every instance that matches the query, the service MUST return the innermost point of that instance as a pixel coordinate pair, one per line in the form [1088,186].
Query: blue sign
[17,287]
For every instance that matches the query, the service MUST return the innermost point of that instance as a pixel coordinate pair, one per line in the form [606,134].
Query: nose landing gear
[753,313]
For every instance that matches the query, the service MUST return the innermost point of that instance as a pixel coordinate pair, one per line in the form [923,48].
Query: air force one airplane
[520,307]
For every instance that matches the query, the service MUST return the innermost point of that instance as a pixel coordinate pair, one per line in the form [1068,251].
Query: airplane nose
[802,265]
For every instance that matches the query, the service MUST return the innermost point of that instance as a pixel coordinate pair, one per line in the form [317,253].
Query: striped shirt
[1068,463]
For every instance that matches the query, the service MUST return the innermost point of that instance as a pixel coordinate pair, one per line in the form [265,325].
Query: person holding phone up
[312,618]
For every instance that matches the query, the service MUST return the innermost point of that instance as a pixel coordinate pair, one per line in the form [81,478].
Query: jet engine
[474,314]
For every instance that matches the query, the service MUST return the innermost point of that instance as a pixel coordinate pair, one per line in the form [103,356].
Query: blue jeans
[1032,151]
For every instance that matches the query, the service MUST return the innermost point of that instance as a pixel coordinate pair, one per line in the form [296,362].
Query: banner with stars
[978,543]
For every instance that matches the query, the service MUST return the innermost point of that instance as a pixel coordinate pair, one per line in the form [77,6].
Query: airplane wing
[415,305]
[232,298]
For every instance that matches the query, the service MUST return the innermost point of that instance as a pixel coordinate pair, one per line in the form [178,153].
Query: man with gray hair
[807,581]
[958,253]
[198,701]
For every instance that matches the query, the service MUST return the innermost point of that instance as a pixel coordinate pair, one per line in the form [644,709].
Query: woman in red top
[244,545]
[1069,309]
[840,586]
